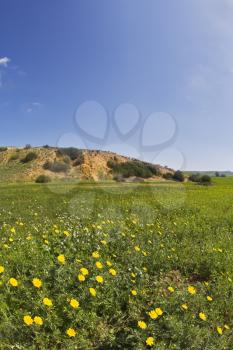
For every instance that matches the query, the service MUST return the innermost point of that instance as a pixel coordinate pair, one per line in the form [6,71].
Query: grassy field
[108,266]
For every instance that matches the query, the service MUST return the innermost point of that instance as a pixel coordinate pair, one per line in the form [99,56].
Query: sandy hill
[26,164]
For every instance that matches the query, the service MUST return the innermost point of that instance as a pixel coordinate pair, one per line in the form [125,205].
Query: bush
[3,149]
[195,178]
[132,168]
[71,152]
[41,179]
[28,146]
[29,157]
[56,167]
[178,176]
[168,176]
[205,180]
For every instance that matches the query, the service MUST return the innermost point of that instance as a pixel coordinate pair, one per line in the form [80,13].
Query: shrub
[71,152]
[3,149]
[29,157]
[42,179]
[132,168]
[168,176]
[56,167]
[46,146]
[28,146]
[178,176]
[195,177]
[205,180]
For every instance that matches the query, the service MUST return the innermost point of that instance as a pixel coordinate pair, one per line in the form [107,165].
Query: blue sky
[164,65]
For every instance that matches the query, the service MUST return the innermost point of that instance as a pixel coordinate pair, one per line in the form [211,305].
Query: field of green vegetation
[116,266]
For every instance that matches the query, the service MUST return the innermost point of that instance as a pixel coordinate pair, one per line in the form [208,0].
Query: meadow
[116,266]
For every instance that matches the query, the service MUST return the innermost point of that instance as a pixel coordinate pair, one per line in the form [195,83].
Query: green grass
[12,170]
[155,236]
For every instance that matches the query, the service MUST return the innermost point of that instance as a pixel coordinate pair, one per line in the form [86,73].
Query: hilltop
[26,164]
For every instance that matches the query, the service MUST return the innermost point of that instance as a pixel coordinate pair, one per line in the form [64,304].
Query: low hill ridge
[26,164]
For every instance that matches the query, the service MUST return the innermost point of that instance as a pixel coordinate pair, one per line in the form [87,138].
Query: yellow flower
[71,332]
[209,298]
[171,289]
[109,263]
[219,330]
[61,259]
[184,306]
[28,320]
[103,242]
[12,230]
[99,265]
[142,324]
[137,248]
[226,326]
[92,292]
[95,255]
[13,282]
[66,233]
[36,282]
[2,269]
[202,316]
[112,272]
[153,314]
[192,290]
[84,271]
[159,311]
[74,303]
[47,302]
[81,277]
[99,279]
[38,320]
[150,341]
[134,292]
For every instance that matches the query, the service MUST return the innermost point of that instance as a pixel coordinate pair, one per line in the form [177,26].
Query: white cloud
[4,61]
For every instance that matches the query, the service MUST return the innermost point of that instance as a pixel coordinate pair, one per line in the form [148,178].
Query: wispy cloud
[33,106]
[4,61]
